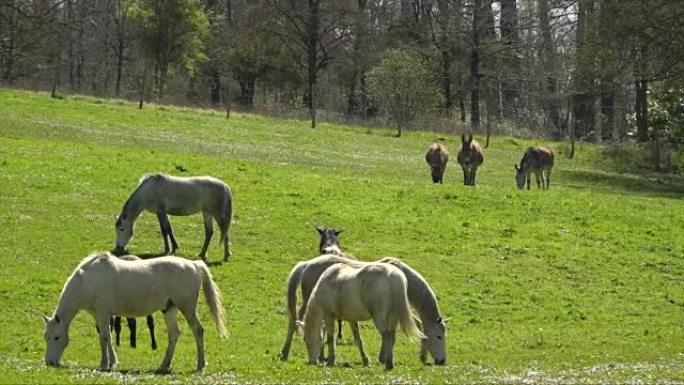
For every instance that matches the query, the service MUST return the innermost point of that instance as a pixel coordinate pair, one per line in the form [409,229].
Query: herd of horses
[537,160]
[334,285]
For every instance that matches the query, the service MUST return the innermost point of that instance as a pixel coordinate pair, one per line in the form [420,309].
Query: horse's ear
[470,137]
[463,138]
[337,232]
[320,230]
[46,318]
[56,318]
[516,167]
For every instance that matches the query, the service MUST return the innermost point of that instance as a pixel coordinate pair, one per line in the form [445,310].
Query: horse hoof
[162,371]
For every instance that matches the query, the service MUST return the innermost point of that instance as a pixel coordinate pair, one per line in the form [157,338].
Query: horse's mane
[145,178]
[154,175]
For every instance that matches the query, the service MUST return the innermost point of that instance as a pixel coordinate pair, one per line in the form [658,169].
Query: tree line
[580,69]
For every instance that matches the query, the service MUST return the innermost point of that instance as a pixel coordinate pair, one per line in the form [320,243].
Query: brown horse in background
[470,157]
[538,160]
[437,157]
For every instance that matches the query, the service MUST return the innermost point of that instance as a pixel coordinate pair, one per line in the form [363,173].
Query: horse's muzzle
[440,362]
[51,363]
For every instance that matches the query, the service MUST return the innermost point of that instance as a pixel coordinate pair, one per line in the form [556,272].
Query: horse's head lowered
[434,341]
[124,231]
[520,176]
[57,338]
[329,242]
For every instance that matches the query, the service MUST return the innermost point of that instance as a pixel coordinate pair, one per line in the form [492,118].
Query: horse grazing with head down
[470,157]
[374,291]
[437,157]
[538,160]
[104,285]
[166,195]
[421,297]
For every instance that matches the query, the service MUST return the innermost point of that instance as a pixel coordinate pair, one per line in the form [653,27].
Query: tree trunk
[247,93]
[509,37]
[475,67]
[641,110]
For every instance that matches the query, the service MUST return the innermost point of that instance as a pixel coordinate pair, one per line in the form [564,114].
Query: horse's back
[437,155]
[538,158]
[140,287]
[184,196]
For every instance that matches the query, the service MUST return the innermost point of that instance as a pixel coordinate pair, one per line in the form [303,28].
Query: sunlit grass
[581,283]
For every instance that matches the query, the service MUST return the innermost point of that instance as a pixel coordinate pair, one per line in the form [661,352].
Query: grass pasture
[581,283]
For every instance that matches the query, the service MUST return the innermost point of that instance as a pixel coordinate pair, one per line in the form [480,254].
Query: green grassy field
[581,283]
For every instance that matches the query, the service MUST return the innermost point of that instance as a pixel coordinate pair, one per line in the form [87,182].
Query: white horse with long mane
[306,274]
[166,195]
[374,291]
[104,285]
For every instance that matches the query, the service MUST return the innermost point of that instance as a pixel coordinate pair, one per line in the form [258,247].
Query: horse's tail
[292,284]
[213,297]
[403,309]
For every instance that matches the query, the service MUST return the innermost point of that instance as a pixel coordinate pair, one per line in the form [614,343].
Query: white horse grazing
[166,195]
[374,291]
[421,297]
[308,273]
[104,285]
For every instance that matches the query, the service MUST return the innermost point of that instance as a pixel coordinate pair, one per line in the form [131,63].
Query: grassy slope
[580,283]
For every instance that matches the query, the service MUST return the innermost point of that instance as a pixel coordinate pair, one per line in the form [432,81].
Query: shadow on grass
[655,185]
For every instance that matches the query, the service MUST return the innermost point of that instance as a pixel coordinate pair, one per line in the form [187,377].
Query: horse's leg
[132,327]
[198,331]
[171,318]
[164,226]
[150,325]
[384,333]
[116,324]
[538,178]
[465,176]
[224,225]
[291,328]
[339,329]
[473,175]
[330,338]
[106,361]
[389,349]
[528,179]
[359,342]
[548,178]
[208,233]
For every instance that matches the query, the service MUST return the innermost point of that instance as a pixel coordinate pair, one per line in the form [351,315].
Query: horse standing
[470,157]
[374,291]
[166,195]
[538,160]
[104,285]
[307,273]
[437,157]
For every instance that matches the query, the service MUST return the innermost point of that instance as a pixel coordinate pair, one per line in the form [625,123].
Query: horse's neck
[422,298]
[135,204]
[69,302]
[313,318]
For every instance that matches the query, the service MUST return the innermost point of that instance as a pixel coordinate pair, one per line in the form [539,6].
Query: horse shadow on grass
[653,185]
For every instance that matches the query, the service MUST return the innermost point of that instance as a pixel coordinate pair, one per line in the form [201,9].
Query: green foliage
[666,108]
[171,32]
[578,284]
[403,85]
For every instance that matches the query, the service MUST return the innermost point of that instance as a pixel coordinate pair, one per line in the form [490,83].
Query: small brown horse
[470,157]
[437,157]
[538,160]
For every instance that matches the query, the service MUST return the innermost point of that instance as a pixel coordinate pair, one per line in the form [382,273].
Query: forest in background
[594,70]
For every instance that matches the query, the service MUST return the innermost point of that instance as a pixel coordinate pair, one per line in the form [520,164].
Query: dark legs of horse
[339,329]
[150,325]
[208,233]
[330,339]
[115,323]
[167,232]
[132,327]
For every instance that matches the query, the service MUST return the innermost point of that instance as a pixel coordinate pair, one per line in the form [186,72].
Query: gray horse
[166,195]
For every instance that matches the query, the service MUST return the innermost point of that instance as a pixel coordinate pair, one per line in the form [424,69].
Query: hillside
[581,283]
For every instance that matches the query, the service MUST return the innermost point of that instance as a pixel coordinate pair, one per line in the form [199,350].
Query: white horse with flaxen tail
[166,195]
[374,291]
[104,285]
